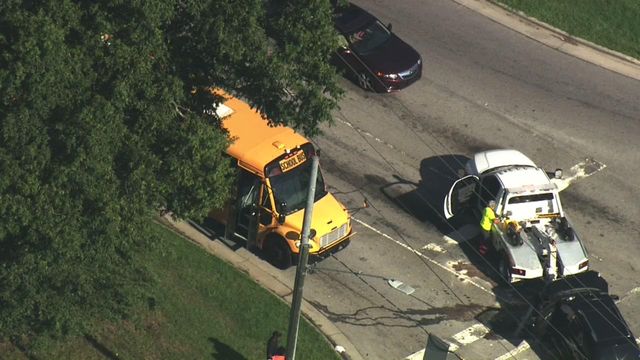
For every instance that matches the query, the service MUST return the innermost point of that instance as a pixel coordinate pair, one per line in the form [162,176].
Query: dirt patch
[459,312]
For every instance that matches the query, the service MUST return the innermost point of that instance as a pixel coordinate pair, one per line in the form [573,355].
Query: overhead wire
[446,164]
[445,221]
[473,249]
[384,159]
[448,224]
[480,184]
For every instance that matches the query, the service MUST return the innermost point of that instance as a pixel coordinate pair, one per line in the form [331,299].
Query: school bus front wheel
[277,252]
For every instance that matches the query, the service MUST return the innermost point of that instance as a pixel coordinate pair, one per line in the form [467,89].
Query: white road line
[633,291]
[444,267]
[471,334]
[418,355]
[524,346]
[434,247]
[370,135]
[449,241]
[466,336]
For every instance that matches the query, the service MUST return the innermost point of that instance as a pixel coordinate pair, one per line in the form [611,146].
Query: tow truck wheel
[503,269]
[278,253]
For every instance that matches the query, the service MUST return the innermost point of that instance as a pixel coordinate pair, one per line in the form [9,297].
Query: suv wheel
[503,269]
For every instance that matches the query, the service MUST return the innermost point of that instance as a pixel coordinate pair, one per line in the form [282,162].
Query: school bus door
[250,217]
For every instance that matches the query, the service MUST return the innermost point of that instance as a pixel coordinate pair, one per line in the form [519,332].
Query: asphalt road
[484,86]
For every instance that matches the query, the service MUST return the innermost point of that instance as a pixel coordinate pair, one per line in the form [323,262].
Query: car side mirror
[509,213]
[389,26]
[557,174]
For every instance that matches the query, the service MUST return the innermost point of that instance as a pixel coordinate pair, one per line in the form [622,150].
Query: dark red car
[376,58]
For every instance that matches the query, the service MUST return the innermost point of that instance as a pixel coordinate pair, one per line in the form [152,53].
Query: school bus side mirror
[265,217]
[281,215]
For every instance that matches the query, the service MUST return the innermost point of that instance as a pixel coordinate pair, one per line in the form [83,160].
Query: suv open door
[460,195]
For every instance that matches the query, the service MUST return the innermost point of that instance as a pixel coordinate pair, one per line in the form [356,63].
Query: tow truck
[533,238]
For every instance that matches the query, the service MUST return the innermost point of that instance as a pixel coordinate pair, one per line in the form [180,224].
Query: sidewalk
[555,38]
[268,277]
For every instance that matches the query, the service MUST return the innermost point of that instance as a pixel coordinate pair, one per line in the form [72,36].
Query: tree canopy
[102,124]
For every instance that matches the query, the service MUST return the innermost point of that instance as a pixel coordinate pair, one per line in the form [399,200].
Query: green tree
[102,123]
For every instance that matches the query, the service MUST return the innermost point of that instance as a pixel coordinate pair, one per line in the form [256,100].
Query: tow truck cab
[509,178]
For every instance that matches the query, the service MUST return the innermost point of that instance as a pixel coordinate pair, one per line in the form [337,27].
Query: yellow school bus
[273,173]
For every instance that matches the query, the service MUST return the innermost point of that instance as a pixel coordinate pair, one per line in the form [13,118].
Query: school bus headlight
[292,235]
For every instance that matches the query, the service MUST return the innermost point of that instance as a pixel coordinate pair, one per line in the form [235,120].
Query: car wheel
[503,269]
[364,81]
[278,253]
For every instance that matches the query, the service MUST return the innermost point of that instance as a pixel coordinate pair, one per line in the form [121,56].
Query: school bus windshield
[291,187]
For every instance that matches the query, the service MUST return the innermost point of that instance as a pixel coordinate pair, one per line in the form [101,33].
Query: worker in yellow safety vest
[488,219]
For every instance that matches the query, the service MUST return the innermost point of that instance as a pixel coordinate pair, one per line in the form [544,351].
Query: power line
[389,164]
[404,240]
[452,170]
[446,164]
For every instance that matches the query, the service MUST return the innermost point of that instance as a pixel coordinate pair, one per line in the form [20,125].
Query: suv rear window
[530,198]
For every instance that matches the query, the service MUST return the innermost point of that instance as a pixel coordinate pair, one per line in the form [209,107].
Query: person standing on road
[488,219]
[273,345]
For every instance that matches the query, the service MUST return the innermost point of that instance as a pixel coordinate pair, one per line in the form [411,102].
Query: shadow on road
[425,201]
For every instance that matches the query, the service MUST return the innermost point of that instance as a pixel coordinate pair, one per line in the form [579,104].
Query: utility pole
[301,269]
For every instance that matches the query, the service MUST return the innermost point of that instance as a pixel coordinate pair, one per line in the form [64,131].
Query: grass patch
[202,308]
[613,24]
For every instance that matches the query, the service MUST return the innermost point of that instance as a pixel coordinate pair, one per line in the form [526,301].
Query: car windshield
[291,187]
[368,38]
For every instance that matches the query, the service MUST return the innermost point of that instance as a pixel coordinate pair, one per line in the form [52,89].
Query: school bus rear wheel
[278,253]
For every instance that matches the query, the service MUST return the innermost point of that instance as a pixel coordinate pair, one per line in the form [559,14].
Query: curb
[267,277]
[566,35]
[555,38]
